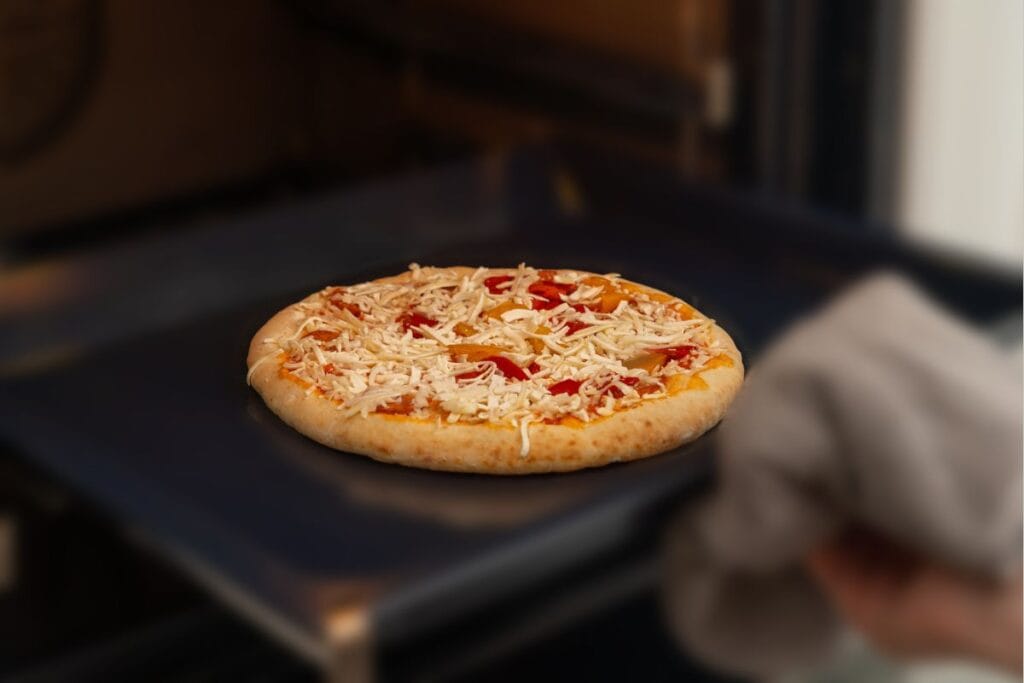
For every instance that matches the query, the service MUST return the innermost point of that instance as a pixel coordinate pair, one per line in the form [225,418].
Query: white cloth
[882,410]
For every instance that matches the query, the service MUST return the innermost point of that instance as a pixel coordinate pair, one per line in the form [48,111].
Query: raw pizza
[502,371]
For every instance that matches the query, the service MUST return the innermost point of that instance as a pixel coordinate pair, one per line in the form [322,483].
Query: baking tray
[133,391]
[164,433]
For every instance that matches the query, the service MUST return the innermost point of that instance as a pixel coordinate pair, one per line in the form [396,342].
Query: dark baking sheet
[163,430]
[139,401]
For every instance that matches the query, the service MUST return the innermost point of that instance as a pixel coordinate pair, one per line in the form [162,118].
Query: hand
[908,606]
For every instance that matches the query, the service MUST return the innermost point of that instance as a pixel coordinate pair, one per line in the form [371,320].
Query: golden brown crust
[652,427]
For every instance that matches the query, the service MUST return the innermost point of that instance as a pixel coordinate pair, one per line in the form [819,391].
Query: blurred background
[119,114]
[131,132]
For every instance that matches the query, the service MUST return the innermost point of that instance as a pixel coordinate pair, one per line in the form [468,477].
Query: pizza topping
[410,320]
[552,291]
[322,335]
[464,329]
[676,352]
[610,300]
[719,361]
[543,304]
[475,352]
[513,347]
[497,283]
[336,300]
[472,374]
[351,308]
[403,406]
[682,355]
[648,362]
[575,326]
[614,388]
[501,309]
[566,386]
[536,343]
[507,367]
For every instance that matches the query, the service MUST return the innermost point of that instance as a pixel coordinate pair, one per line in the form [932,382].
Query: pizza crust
[652,427]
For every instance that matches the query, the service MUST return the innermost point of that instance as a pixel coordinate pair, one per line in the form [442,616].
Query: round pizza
[496,370]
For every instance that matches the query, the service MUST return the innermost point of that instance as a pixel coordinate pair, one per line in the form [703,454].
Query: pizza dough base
[652,427]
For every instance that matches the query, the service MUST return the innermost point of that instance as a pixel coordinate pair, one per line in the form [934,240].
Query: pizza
[496,370]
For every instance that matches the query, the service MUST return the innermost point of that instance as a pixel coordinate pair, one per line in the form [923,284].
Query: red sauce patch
[566,386]
[645,389]
[334,299]
[614,391]
[402,406]
[412,319]
[507,367]
[323,335]
[552,291]
[351,308]
[678,353]
[575,326]
[494,284]
[543,304]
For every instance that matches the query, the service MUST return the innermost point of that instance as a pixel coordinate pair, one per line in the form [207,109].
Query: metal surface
[297,536]
[130,387]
